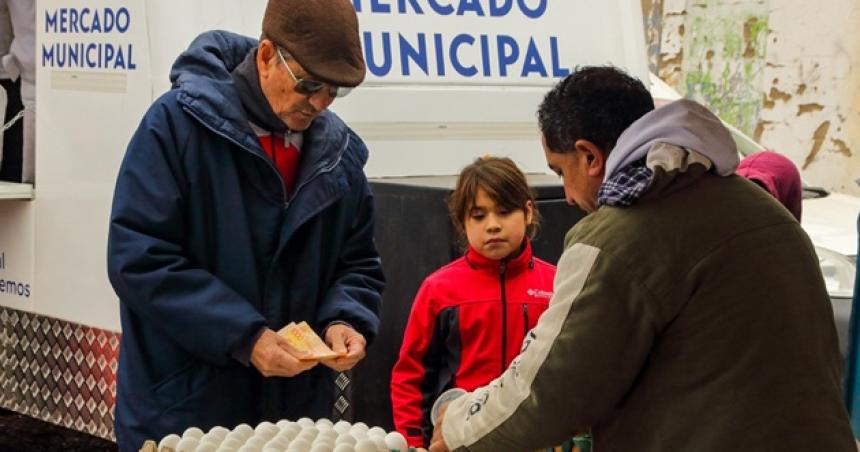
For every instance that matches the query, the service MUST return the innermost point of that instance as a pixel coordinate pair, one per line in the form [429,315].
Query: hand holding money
[273,356]
[305,341]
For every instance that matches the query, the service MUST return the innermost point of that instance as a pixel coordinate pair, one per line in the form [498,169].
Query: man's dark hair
[595,103]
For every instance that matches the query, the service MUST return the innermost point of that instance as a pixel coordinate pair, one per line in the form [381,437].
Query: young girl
[469,318]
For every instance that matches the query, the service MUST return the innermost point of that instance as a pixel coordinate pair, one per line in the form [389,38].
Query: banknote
[303,338]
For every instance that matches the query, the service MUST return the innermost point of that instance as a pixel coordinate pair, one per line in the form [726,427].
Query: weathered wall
[783,71]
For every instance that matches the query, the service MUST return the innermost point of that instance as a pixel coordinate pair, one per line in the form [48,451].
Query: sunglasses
[307,87]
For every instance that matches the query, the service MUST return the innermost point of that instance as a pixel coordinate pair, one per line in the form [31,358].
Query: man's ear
[265,56]
[594,157]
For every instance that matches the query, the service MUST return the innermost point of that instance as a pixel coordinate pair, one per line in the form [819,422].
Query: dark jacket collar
[203,75]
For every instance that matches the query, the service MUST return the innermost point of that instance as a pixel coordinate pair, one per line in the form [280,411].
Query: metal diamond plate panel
[58,371]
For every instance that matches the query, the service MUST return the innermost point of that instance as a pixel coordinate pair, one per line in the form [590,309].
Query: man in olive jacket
[689,311]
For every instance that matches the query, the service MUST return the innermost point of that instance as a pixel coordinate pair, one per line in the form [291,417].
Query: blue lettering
[401,6]
[73,20]
[538,11]
[556,70]
[459,40]
[407,52]
[131,65]
[499,11]
[440,55]
[376,7]
[439,9]
[50,22]
[357,5]
[109,20]
[64,20]
[84,13]
[119,63]
[385,67]
[62,48]
[470,5]
[97,25]
[533,61]
[485,54]
[109,54]
[123,20]
[90,63]
[47,56]
[507,58]
[74,55]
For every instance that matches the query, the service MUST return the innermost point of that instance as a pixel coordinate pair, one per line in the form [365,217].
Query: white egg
[305,422]
[344,448]
[256,441]
[312,430]
[330,434]
[266,429]
[345,439]
[283,423]
[322,448]
[361,425]
[299,445]
[341,427]
[357,432]
[379,441]
[232,443]
[250,448]
[210,439]
[169,441]
[279,442]
[227,449]
[376,431]
[324,421]
[244,429]
[365,445]
[219,432]
[206,447]
[193,432]
[187,444]
[396,441]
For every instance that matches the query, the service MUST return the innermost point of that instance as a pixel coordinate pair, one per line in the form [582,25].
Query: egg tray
[304,435]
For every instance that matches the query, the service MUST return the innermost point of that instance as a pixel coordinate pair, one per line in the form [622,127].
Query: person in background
[777,174]
[670,329]
[242,205]
[18,78]
[470,317]
[852,368]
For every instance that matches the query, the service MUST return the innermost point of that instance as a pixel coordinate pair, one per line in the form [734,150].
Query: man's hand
[342,339]
[437,442]
[273,356]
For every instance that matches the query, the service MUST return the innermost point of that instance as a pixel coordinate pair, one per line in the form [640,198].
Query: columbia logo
[539,293]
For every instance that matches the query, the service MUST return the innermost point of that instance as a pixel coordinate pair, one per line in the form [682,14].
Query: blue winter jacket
[205,249]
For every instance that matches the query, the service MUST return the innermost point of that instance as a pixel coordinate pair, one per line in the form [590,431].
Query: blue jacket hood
[202,75]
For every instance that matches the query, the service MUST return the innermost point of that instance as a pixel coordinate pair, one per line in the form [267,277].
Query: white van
[448,80]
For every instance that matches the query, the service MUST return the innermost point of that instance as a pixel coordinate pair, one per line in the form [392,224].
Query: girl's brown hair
[503,182]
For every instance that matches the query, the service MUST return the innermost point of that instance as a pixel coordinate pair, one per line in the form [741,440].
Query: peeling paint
[817,141]
[808,108]
[801,89]
[759,129]
[776,94]
[842,147]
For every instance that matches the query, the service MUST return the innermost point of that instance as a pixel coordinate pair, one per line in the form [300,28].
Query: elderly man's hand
[437,442]
[273,356]
[342,339]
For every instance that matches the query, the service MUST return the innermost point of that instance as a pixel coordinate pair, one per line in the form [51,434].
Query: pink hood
[778,175]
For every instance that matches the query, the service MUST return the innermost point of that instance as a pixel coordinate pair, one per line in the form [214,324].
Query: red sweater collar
[513,265]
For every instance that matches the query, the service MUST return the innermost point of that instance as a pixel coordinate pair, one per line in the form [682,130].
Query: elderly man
[242,205]
[671,327]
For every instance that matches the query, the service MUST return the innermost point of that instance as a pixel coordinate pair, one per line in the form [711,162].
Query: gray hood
[683,123]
